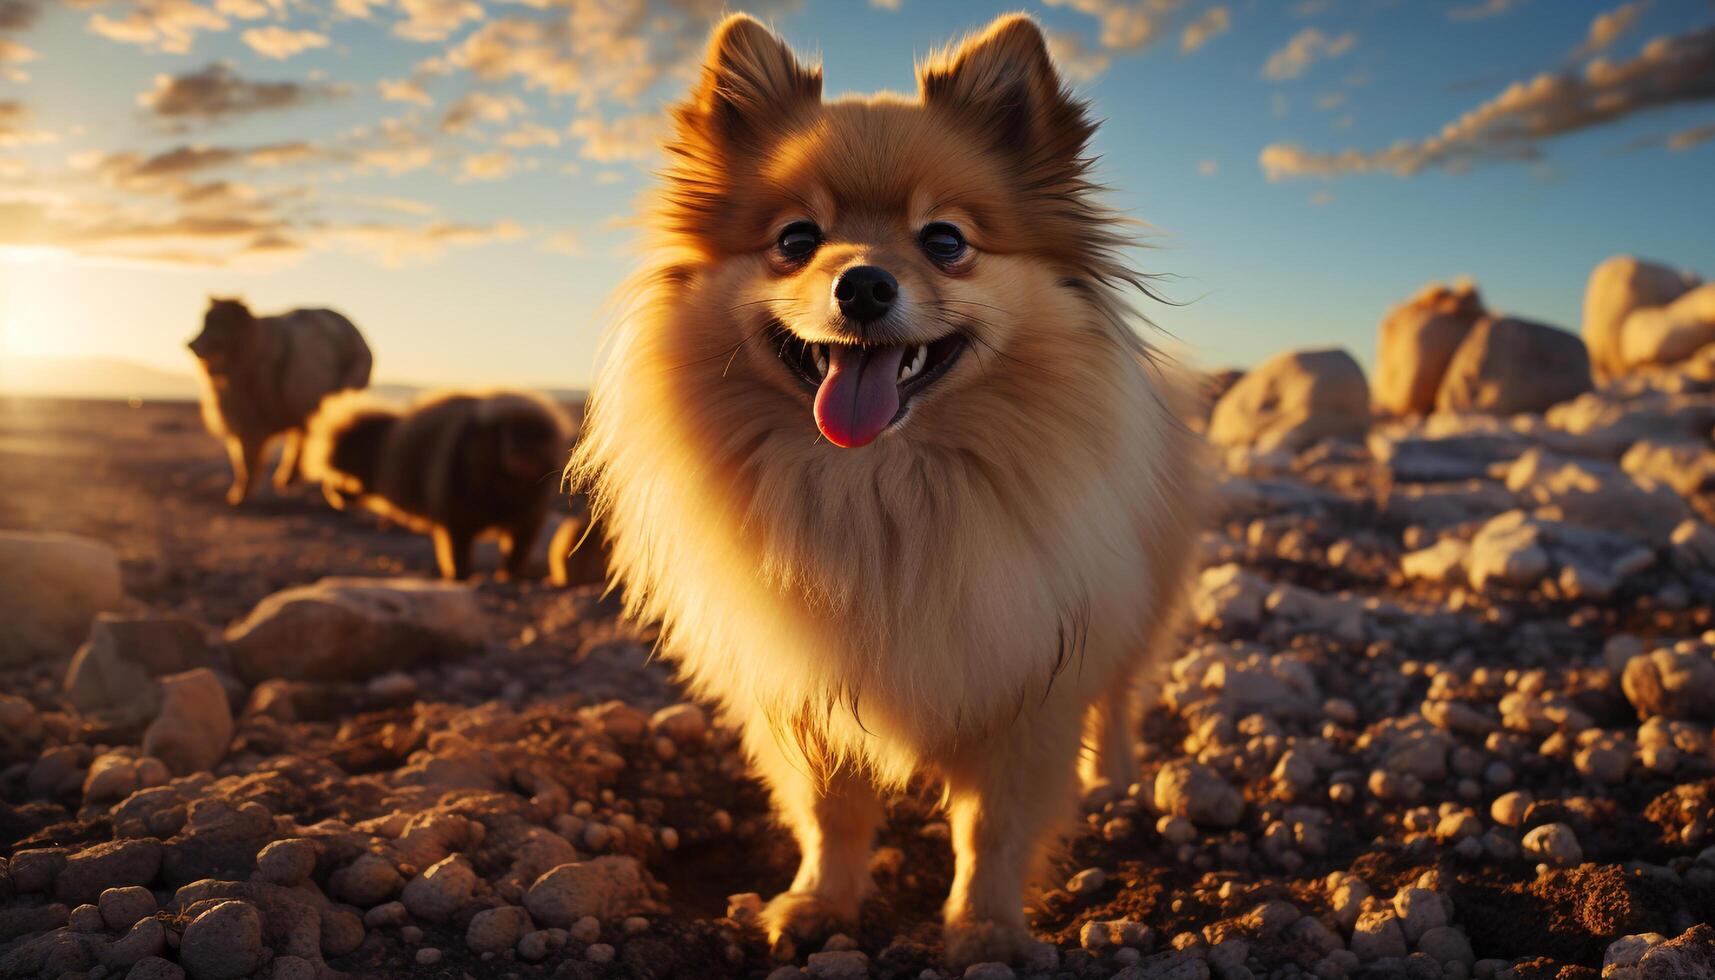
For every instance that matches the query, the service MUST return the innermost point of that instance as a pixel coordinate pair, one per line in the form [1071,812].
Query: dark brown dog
[455,465]
[264,376]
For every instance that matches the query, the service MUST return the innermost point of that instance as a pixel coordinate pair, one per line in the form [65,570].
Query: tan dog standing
[877,443]
[264,376]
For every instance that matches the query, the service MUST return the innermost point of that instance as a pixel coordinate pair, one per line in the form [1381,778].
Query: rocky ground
[1444,712]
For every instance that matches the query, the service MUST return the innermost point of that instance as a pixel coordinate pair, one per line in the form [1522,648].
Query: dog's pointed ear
[750,78]
[1002,82]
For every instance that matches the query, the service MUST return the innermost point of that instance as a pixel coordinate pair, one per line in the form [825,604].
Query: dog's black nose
[865,293]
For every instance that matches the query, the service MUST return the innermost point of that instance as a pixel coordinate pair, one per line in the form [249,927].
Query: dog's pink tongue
[860,395]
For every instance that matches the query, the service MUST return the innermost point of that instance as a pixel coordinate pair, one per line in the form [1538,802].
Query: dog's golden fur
[262,378]
[970,596]
[454,465]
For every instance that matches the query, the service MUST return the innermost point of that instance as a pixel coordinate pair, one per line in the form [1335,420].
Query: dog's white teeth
[820,353]
[914,366]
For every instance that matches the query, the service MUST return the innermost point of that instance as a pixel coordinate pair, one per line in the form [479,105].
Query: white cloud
[404,90]
[279,42]
[1513,125]
[165,25]
[1306,48]
[435,20]
[1076,60]
[1213,23]
[1484,10]
[1609,27]
[495,165]
[634,137]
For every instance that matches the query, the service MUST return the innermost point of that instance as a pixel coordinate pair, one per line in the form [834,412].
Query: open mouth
[859,391]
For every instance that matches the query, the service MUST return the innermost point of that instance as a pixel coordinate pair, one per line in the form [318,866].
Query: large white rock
[1617,287]
[1507,366]
[1669,334]
[51,587]
[1292,400]
[354,628]
[1417,342]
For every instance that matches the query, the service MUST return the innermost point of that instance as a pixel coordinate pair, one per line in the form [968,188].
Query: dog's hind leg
[1109,739]
[834,821]
[287,472]
[1007,797]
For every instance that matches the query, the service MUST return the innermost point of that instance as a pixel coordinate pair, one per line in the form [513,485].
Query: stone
[1190,789]
[604,888]
[1508,366]
[1663,335]
[122,907]
[114,670]
[1293,400]
[51,588]
[156,968]
[35,870]
[113,864]
[1229,597]
[224,942]
[1617,287]
[1669,684]
[989,971]
[194,728]
[290,861]
[1446,944]
[1508,550]
[685,724]
[441,890]
[1553,843]
[839,965]
[1377,935]
[497,930]
[1417,342]
[352,629]
[1419,911]
[110,777]
[146,938]
[368,880]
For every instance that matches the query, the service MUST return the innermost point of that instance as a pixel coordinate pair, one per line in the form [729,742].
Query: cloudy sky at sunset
[457,175]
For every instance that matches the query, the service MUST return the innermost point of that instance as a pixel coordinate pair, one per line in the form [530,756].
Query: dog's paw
[985,941]
[796,919]
[235,496]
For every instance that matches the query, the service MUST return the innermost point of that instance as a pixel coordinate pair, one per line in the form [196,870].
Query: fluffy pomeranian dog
[263,376]
[455,466]
[876,443]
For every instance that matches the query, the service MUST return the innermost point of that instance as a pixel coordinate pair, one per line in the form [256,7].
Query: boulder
[194,727]
[1416,344]
[1507,366]
[1292,400]
[1617,287]
[51,587]
[348,629]
[1661,335]
[114,672]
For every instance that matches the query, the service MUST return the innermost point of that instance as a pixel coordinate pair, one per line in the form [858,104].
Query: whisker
[723,352]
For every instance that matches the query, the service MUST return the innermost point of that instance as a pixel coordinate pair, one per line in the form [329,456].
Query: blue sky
[456,175]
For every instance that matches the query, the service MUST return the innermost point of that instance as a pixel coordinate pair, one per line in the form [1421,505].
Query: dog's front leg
[1006,798]
[833,817]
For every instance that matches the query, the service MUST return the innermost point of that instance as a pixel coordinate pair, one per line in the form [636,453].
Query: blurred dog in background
[264,376]
[456,466]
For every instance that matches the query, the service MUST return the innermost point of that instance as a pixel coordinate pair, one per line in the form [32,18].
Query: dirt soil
[523,742]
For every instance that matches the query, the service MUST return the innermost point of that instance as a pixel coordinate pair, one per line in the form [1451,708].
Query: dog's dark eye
[799,240]
[942,241]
